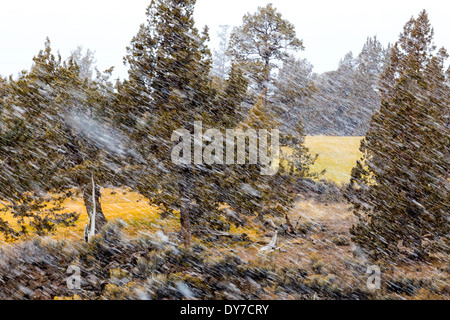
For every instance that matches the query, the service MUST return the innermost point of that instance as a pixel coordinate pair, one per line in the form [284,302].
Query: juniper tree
[53,142]
[294,89]
[169,88]
[247,189]
[400,188]
[85,61]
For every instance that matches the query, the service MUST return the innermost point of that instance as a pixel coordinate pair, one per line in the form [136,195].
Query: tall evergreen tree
[345,99]
[263,39]
[401,185]
[85,61]
[169,88]
[366,95]
[247,190]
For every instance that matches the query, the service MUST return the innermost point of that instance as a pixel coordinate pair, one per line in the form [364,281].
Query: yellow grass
[116,204]
[338,155]
[130,207]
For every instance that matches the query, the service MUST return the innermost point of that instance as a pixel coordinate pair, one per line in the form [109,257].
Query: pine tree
[169,88]
[263,38]
[260,116]
[366,94]
[296,159]
[85,61]
[3,84]
[346,98]
[400,188]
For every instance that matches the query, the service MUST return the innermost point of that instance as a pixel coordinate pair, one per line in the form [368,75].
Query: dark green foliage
[400,188]
[227,109]
[347,97]
[298,158]
[169,88]
[52,142]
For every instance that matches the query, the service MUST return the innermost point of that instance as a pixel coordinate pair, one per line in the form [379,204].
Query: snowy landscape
[227,169]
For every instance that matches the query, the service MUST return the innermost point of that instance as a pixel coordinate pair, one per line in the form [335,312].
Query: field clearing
[116,204]
[337,155]
[129,207]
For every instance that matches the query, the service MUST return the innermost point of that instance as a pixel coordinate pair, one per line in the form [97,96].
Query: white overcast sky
[328,28]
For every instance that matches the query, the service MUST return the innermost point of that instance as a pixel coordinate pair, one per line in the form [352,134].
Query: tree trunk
[95,213]
[185,211]
[185,220]
[265,86]
[417,235]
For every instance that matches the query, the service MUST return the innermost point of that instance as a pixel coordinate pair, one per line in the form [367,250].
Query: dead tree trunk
[91,198]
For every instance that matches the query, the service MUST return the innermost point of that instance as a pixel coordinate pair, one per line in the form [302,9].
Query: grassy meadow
[337,155]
